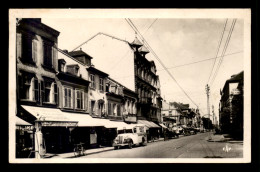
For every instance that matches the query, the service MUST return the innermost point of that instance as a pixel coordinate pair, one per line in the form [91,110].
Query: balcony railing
[145,100]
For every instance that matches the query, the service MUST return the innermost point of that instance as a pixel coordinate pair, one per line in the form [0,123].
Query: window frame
[64,97]
[92,81]
[81,91]
[101,84]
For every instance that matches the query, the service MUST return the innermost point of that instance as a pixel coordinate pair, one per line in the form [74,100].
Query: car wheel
[130,145]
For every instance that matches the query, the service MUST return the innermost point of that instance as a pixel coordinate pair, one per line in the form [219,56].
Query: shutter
[96,105]
[55,93]
[34,51]
[20,86]
[19,45]
[36,90]
[42,91]
[90,107]
[31,93]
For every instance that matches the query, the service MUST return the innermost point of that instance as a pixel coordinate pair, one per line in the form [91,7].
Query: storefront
[51,130]
[152,129]
[24,138]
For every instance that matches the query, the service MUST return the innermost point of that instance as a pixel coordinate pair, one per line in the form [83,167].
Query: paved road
[194,146]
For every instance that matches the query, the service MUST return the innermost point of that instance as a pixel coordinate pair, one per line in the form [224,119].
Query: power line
[150,26]
[224,49]
[201,61]
[220,40]
[148,46]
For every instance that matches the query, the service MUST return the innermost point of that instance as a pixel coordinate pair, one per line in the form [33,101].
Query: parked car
[131,137]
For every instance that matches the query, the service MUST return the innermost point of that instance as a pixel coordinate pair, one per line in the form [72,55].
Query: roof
[136,42]
[181,106]
[79,53]
[143,49]
[95,70]
[235,78]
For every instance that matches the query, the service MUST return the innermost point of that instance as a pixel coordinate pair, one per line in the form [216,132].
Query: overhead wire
[156,56]
[224,50]
[219,43]
[149,26]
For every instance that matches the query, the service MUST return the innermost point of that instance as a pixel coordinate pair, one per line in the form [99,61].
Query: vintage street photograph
[129,85]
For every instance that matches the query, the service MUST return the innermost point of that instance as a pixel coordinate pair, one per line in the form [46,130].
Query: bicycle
[79,149]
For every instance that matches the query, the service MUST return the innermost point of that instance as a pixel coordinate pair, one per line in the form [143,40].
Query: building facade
[231,106]
[141,77]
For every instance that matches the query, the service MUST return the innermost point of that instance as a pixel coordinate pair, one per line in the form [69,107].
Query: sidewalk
[71,154]
[222,138]
[87,152]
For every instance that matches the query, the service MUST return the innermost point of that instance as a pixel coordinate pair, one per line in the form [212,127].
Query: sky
[177,42]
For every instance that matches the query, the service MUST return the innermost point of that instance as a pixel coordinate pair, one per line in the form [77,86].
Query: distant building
[231,106]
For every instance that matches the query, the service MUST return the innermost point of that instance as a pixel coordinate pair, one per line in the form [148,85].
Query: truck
[132,136]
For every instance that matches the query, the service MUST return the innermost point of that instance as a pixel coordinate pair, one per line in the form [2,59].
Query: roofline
[70,56]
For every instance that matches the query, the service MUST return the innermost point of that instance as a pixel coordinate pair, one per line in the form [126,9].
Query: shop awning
[162,125]
[115,124]
[96,96]
[20,122]
[49,116]
[148,124]
[84,120]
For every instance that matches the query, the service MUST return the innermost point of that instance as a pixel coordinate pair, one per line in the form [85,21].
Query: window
[28,87]
[109,109]
[29,49]
[67,97]
[79,99]
[49,91]
[101,84]
[92,80]
[62,67]
[118,110]
[114,109]
[47,54]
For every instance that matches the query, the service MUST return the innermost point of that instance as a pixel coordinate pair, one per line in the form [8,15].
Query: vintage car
[134,136]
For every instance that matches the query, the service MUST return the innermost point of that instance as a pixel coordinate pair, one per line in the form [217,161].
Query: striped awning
[148,124]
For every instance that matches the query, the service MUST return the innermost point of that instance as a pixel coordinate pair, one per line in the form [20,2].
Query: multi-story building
[126,63]
[37,86]
[231,106]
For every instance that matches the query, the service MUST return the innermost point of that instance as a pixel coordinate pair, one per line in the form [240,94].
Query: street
[194,146]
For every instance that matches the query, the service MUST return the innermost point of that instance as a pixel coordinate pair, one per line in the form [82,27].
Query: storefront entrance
[57,139]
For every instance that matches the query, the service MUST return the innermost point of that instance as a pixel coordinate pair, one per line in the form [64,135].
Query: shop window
[79,99]
[101,84]
[67,98]
[92,81]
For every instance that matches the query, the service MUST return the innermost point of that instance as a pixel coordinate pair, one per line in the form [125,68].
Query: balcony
[145,100]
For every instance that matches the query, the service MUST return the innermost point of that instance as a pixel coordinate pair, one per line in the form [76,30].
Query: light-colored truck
[132,136]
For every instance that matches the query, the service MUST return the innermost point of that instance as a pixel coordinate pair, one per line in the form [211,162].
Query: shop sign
[130,119]
[58,124]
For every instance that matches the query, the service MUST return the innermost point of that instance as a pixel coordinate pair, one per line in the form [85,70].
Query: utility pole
[213,114]
[208,106]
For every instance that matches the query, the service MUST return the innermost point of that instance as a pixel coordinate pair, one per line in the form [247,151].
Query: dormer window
[62,63]
[73,69]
